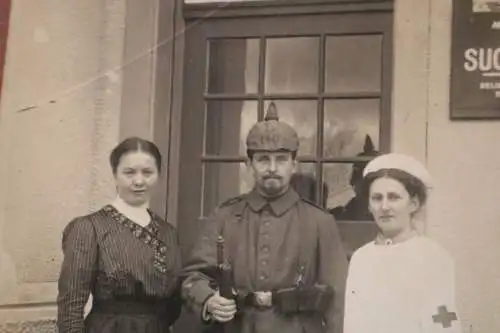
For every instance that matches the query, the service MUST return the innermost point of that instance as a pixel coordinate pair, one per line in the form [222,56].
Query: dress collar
[382,240]
[140,214]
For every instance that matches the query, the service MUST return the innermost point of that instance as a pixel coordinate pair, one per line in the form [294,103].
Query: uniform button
[263,277]
[265,249]
[264,262]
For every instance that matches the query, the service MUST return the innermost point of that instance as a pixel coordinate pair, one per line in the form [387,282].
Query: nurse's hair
[134,144]
[413,185]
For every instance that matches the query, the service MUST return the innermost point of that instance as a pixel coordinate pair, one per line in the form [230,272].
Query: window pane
[343,199]
[305,182]
[302,116]
[353,63]
[225,122]
[345,203]
[223,181]
[292,65]
[233,66]
[349,125]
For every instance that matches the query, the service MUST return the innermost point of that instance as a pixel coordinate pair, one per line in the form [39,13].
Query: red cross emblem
[444,317]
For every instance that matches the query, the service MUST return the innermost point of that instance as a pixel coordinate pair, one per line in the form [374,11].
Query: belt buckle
[263,299]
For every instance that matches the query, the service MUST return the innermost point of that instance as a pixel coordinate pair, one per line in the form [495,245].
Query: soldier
[288,264]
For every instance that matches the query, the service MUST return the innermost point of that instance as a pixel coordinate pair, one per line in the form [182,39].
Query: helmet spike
[272,112]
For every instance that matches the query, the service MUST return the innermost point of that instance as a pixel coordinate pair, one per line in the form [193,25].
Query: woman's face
[136,177]
[391,206]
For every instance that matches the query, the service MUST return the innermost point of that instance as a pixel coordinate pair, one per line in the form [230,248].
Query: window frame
[199,32]
[261,8]
[320,97]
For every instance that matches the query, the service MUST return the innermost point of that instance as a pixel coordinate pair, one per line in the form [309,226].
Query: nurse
[402,281]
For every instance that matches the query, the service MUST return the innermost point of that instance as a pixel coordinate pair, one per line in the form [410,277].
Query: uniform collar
[279,205]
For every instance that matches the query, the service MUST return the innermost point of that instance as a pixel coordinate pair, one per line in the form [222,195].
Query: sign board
[475,60]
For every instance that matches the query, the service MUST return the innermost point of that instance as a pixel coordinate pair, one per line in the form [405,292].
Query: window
[329,77]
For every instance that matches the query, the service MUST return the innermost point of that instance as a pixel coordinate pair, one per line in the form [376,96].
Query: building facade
[193,76]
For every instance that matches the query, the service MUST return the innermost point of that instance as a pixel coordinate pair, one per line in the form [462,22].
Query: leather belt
[259,299]
[293,300]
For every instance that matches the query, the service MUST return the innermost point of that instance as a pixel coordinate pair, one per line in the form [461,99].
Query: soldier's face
[135,177]
[272,171]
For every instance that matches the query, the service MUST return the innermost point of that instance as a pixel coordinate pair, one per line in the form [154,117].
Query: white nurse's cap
[401,162]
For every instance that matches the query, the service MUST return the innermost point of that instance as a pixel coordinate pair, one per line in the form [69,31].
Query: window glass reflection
[226,121]
[233,66]
[347,123]
[353,64]
[292,65]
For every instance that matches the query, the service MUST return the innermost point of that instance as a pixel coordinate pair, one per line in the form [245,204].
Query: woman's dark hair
[414,186]
[134,144]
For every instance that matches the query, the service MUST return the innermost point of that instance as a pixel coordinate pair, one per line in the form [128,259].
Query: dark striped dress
[131,271]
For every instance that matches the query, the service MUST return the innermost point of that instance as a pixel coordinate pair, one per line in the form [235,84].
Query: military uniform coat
[264,240]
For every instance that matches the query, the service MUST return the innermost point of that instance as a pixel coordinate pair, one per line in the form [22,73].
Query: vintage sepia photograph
[249,166]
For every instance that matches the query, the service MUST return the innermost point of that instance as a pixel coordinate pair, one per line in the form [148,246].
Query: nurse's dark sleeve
[77,274]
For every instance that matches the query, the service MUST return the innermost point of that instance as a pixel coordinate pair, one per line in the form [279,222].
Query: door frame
[220,26]
[261,8]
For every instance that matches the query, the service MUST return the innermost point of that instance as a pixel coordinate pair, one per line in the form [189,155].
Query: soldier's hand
[221,309]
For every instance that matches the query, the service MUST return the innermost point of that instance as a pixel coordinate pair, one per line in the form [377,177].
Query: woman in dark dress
[124,255]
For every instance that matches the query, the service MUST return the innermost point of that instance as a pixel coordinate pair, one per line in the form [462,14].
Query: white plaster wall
[139,58]
[59,118]
[465,213]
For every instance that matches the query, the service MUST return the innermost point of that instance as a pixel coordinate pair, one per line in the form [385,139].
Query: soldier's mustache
[272,177]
